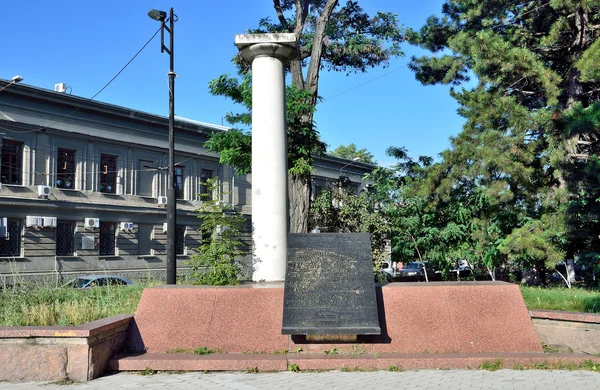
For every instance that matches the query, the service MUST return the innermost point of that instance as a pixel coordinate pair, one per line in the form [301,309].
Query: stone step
[367,361]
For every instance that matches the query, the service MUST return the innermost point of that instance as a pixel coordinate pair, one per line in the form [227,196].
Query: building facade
[83,185]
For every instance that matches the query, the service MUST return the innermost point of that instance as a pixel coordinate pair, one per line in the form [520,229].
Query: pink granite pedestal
[444,317]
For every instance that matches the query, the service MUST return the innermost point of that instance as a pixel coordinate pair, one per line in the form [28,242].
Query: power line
[96,94]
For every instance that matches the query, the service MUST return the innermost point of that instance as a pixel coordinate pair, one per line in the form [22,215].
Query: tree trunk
[299,203]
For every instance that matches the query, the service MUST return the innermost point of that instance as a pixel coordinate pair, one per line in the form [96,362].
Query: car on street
[415,272]
[87,281]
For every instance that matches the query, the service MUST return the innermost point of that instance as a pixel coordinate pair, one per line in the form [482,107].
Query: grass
[574,300]
[48,306]
[64,306]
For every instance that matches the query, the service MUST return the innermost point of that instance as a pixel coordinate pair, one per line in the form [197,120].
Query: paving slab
[376,380]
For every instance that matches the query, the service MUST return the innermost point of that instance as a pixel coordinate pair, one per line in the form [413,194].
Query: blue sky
[85,43]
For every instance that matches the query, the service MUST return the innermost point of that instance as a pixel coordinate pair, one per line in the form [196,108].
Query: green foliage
[351,153]
[339,209]
[293,367]
[491,365]
[47,305]
[575,300]
[234,148]
[214,262]
[203,351]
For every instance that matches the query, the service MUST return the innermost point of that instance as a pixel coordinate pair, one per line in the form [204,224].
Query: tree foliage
[351,153]
[214,262]
[331,36]
[527,147]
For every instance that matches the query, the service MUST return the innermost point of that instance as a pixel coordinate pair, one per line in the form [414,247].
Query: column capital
[282,46]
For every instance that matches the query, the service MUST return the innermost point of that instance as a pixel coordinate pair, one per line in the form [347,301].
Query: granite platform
[438,317]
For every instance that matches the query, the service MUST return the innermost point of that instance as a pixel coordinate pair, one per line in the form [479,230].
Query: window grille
[11,246]
[11,168]
[65,169]
[178,177]
[108,174]
[65,238]
[107,238]
[205,191]
[180,240]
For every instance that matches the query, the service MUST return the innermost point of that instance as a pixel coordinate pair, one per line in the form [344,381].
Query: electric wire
[93,97]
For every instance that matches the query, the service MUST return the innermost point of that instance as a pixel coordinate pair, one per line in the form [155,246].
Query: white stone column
[268,53]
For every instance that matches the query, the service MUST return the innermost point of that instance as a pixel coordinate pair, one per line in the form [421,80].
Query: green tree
[214,262]
[350,152]
[533,65]
[341,38]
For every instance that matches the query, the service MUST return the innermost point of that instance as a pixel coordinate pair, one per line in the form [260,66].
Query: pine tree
[533,63]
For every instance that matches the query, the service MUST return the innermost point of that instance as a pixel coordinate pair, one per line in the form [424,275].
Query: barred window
[65,169]
[11,246]
[108,174]
[205,192]
[65,238]
[11,168]
[178,177]
[180,240]
[107,238]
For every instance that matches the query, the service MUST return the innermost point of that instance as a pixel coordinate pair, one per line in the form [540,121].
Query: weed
[281,352]
[298,350]
[589,365]
[491,365]
[64,382]
[147,371]
[549,349]
[203,351]
[358,350]
[179,350]
[352,369]
[393,368]
[518,366]
[541,366]
[252,370]
[293,367]
[333,351]
[426,351]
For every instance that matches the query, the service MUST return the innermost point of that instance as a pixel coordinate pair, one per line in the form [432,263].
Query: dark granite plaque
[329,285]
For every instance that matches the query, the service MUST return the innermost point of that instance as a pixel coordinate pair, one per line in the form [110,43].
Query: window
[180,240]
[11,169]
[146,172]
[65,169]
[65,238]
[107,239]
[145,239]
[10,246]
[108,174]
[205,192]
[178,178]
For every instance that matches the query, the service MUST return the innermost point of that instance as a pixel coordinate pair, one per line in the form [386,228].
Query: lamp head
[157,15]
[17,79]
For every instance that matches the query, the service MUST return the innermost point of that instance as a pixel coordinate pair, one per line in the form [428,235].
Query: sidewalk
[375,380]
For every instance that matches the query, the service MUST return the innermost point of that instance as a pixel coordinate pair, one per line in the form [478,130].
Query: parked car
[415,272]
[98,281]
[388,271]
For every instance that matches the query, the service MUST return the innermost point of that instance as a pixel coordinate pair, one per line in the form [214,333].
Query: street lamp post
[15,80]
[161,16]
[350,163]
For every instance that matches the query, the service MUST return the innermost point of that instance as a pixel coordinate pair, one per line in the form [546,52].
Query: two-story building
[83,185]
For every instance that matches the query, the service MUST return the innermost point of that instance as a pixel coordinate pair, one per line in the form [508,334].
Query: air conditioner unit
[164,227]
[60,87]
[44,191]
[126,226]
[49,221]
[34,221]
[3,228]
[162,200]
[92,223]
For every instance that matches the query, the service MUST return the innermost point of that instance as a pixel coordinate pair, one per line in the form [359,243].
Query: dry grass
[44,306]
